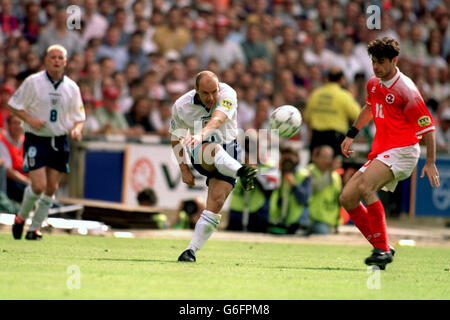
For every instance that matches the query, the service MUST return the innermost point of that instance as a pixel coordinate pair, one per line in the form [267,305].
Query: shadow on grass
[317,268]
[134,260]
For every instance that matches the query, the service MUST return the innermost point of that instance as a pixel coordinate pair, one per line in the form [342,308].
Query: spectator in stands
[91,125]
[247,106]
[253,47]
[328,112]
[433,88]
[112,49]
[324,19]
[388,26]
[360,51]
[337,36]
[31,23]
[348,61]
[434,55]
[9,24]
[288,201]
[288,38]
[120,18]
[107,67]
[224,52]
[111,121]
[152,85]
[94,80]
[323,204]
[192,66]
[413,48]
[199,35]
[318,54]
[143,26]
[135,52]
[267,31]
[11,151]
[171,36]
[262,112]
[161,118]
[58,33]
[95,24]
[32,65]
[6,91]
[139,115]
[443,129]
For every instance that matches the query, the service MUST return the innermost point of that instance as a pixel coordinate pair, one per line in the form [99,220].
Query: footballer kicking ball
[286,120]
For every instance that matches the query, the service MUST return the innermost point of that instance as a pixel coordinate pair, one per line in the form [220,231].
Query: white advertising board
[155,166]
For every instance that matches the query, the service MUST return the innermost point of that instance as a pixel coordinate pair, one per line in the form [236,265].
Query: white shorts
[401,161]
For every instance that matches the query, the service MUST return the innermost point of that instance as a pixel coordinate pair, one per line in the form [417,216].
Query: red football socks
[360,218]
[18,220]
[377,221]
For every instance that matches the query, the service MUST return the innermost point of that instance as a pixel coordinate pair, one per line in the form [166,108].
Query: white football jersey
[189,116]
[59,107]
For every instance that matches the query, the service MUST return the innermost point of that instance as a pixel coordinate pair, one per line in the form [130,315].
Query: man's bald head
[204,77]
[207,88]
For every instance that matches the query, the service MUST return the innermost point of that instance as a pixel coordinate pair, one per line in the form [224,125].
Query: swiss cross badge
[390,98]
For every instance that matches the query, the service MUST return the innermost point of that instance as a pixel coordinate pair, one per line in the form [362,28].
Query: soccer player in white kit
[50,105]
[204,121]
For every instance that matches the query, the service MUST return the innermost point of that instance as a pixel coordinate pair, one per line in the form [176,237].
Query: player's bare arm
[180,154]
[217,118]
[36,124]
[363,118]
[429,168]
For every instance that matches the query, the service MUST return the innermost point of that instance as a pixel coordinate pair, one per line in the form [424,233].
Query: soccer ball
[287,120]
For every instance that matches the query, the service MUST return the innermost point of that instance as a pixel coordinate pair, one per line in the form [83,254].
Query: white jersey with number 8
[58,104]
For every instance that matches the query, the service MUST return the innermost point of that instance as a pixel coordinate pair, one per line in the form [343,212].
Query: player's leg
[373,179]
[30,197]
[350,199]
[209,220]
[45,203]
[214,157]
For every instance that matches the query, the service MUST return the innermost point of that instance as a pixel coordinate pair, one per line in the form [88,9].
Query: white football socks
[41,212]
[205,226]
[226,164]
[29,199]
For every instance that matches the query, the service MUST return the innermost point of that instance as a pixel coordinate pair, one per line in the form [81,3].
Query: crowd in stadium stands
[133,59]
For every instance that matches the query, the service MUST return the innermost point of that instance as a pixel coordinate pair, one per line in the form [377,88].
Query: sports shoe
[17,228]
[392,250]
[247,175]
[379,258]
[34,235]
[187,256]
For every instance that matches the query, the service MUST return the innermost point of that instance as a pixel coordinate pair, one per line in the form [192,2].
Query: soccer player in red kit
[401,120]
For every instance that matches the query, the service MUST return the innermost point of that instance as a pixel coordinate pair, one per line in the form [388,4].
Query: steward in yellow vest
[287,203]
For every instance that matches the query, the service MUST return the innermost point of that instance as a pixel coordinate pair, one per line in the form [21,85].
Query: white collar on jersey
[391,81]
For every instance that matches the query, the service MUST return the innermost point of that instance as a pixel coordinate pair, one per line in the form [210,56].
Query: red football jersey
[399,113]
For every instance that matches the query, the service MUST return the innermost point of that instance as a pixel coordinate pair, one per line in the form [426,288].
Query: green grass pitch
[89,267]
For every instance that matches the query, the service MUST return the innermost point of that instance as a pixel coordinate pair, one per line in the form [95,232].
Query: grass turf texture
[145,268]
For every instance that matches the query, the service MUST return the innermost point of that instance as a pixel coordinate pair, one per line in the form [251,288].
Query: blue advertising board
[433,202]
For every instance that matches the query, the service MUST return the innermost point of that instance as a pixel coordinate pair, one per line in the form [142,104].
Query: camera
[288,165]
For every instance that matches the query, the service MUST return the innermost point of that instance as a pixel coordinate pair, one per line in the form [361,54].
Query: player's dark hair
[384,48]
[335,75]
[147,195]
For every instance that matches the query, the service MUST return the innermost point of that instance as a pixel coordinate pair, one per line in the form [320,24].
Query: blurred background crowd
[133,59]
